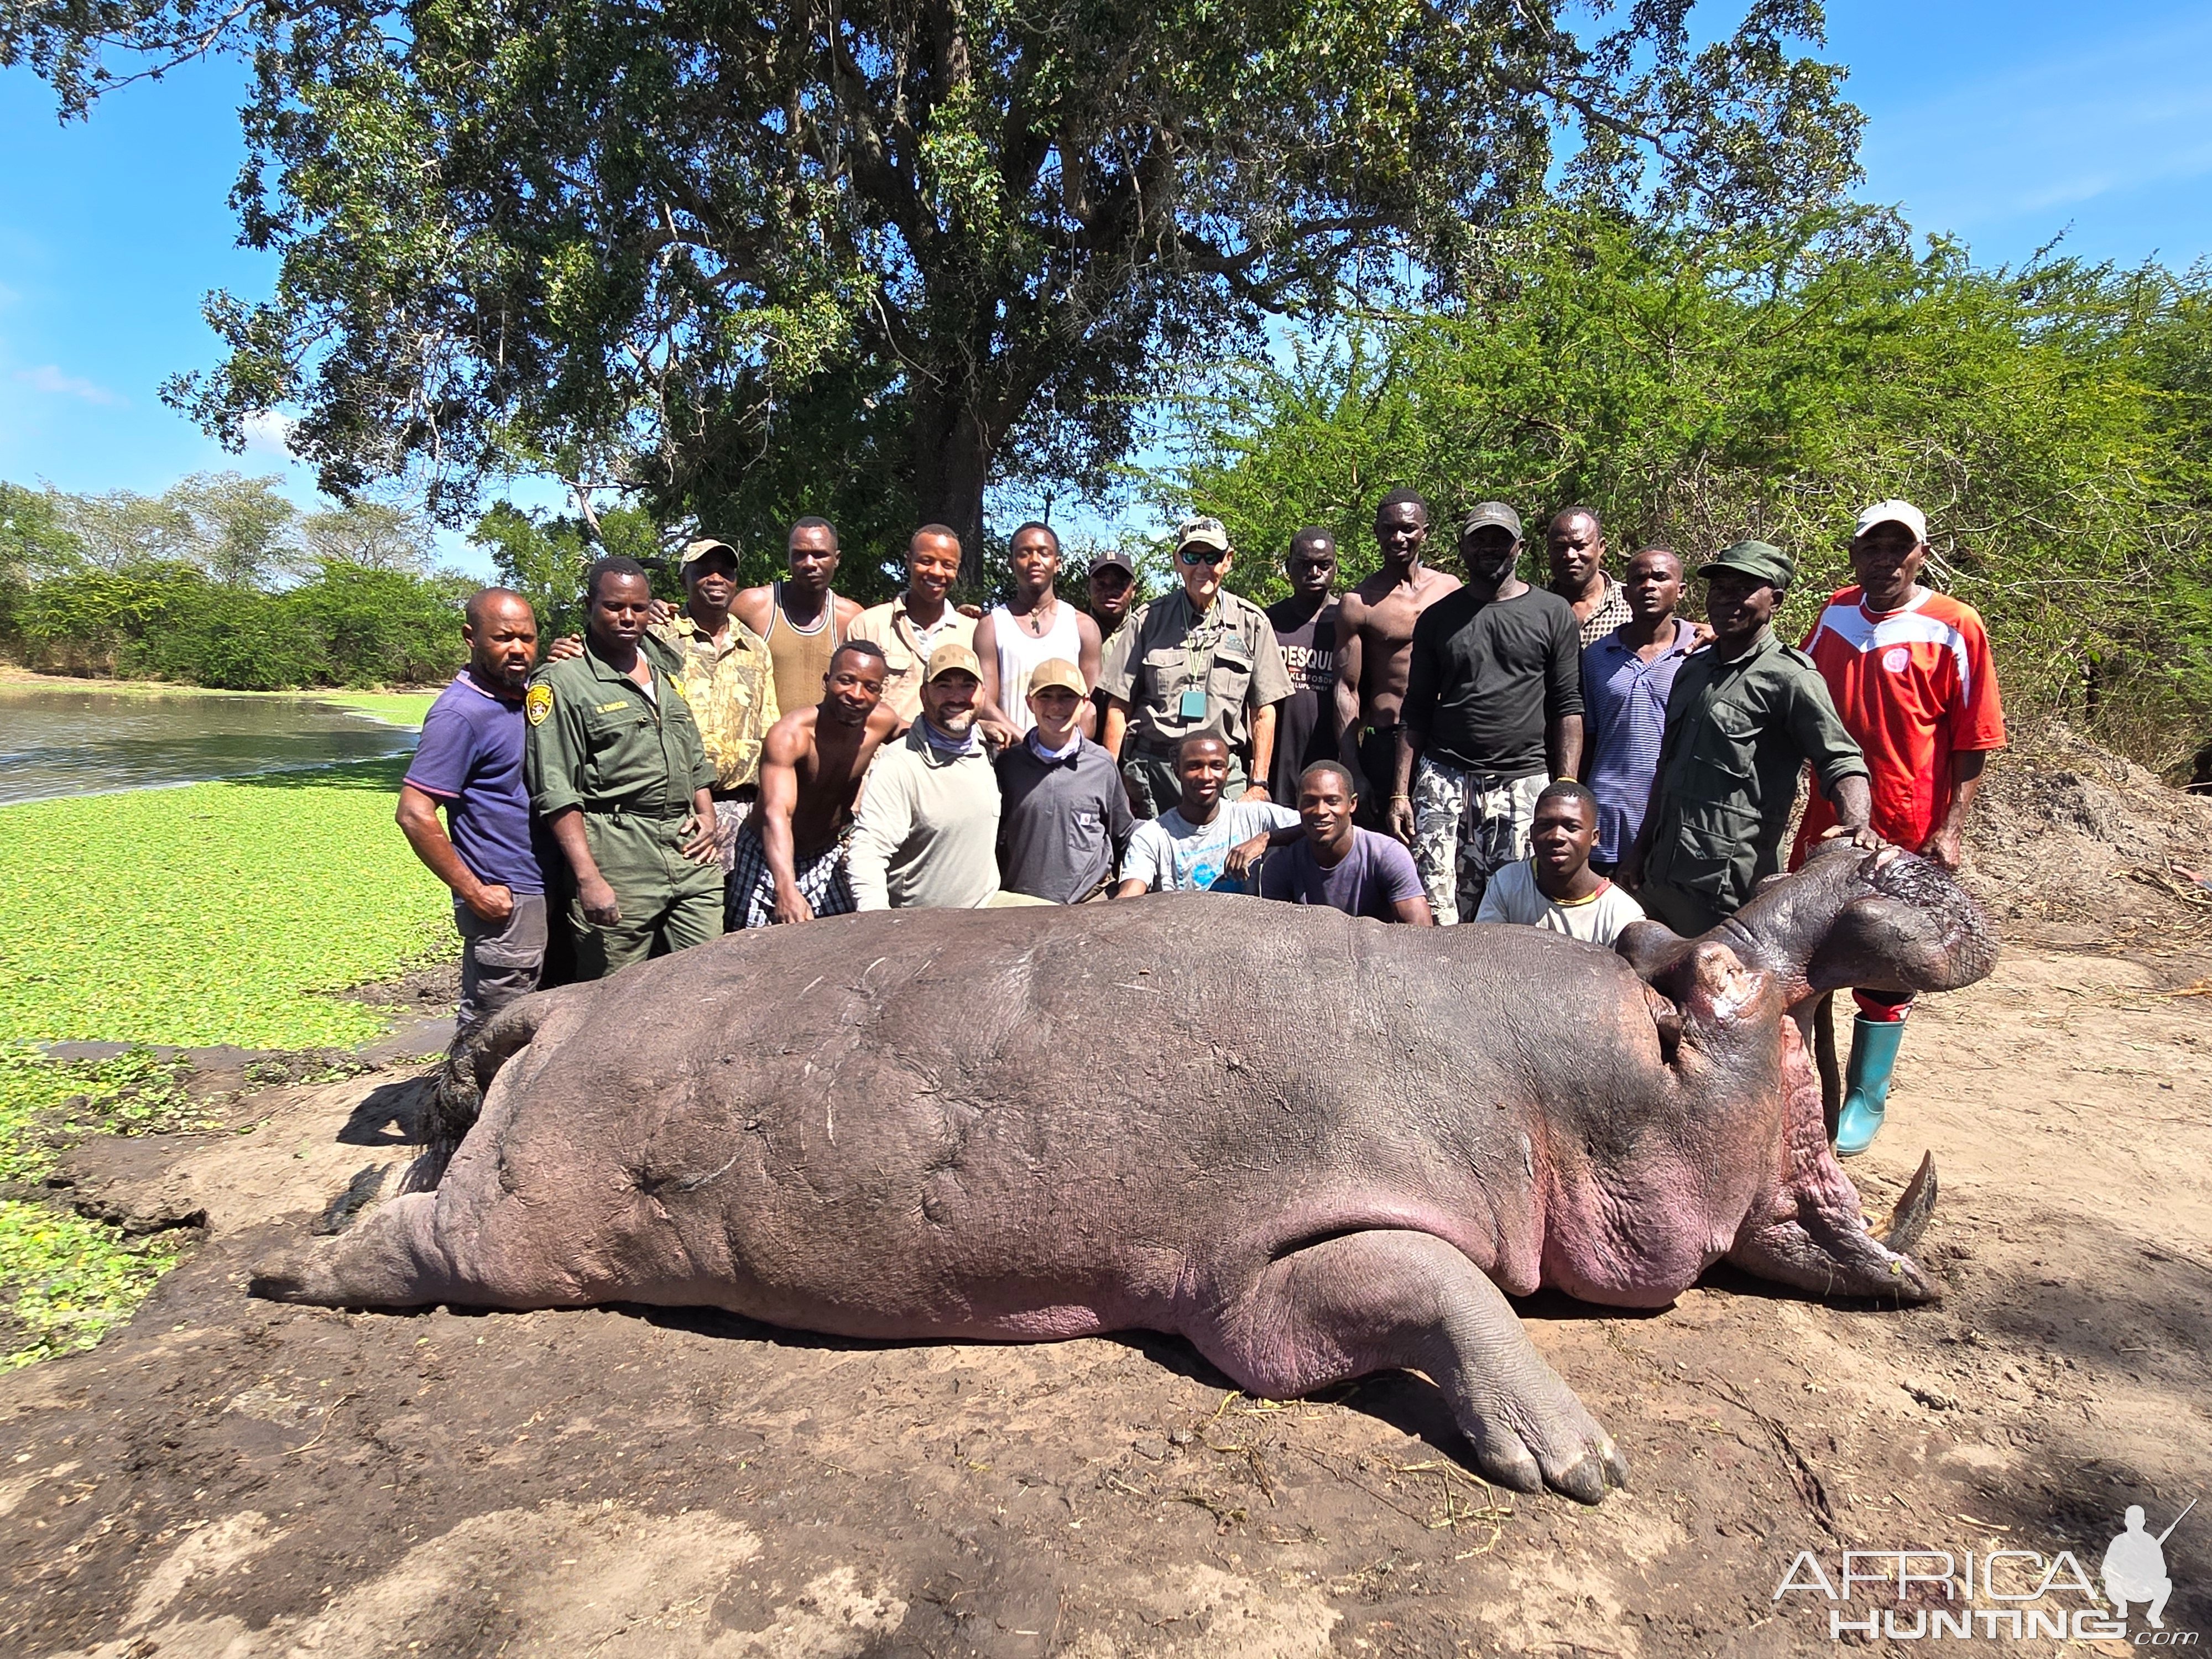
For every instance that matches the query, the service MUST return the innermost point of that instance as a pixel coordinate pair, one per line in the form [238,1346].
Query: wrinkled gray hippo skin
[1315,1146]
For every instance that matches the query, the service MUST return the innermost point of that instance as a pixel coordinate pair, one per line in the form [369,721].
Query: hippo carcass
[1315,1146]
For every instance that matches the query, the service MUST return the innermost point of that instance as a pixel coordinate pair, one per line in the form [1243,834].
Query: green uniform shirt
[1737,735]
[1229,654]
[595,740]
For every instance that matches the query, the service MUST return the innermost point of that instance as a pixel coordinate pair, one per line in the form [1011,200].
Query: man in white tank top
[1034,626]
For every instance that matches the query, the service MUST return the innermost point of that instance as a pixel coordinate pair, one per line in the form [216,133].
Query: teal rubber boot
[1866,1088]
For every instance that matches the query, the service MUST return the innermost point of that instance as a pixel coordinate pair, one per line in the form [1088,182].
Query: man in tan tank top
[802,620]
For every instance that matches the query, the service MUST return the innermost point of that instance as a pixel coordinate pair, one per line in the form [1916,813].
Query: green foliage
[219,913]
[544,558]
[1695,387]
[865,260]
[344,625]
[66,1282]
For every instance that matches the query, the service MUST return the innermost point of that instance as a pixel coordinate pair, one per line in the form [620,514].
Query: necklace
[1039,615]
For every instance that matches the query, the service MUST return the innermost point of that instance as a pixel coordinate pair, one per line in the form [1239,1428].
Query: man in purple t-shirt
[470,762]
[1339,864]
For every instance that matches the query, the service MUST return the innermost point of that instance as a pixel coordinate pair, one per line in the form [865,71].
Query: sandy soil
[228,1477]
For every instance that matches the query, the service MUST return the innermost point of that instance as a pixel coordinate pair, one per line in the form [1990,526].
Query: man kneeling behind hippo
[1306,1189]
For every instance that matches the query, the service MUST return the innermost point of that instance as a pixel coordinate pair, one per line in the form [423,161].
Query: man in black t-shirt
[1305,627]
[1493,712]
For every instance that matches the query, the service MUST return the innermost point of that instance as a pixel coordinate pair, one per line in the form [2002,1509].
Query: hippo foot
[1381,1300]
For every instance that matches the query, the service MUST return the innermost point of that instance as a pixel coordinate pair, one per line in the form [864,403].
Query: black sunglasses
[1201,556]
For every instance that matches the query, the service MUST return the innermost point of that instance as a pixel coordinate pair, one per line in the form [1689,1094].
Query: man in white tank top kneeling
[1033,627]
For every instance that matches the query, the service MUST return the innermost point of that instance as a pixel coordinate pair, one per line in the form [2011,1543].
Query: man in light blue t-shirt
[1202,843]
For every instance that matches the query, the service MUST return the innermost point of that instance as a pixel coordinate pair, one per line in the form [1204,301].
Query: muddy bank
[228,1476]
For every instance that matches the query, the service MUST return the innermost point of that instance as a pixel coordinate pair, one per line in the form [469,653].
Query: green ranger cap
[1761,559]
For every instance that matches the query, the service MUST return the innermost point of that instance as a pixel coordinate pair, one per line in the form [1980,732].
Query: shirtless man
[791,852]
[801,620]
[1374,642]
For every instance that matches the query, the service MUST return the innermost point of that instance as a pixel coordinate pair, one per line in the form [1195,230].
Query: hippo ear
[1650,948]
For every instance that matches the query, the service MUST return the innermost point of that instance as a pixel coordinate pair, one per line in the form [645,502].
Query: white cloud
[269,434]
[46,377]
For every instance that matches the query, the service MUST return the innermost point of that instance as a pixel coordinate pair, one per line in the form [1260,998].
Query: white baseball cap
[1902,512]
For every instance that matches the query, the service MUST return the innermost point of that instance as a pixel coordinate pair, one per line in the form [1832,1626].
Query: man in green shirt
[1199,659]
[1745,715]
[616,769]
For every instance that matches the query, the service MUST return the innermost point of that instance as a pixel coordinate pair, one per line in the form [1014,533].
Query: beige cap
[952,657]
[1902,512]
[1489,515]
[1204,532]
[700,549]
[1057,670]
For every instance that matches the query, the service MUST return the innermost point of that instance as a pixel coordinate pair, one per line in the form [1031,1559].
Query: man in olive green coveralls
[616,769]
[1746,715]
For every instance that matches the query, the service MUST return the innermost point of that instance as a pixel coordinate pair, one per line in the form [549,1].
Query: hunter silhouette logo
[2135,1567]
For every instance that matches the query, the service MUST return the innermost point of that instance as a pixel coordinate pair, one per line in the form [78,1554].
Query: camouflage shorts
[1467,826]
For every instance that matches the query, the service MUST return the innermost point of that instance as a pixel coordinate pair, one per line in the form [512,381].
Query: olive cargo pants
[667,901]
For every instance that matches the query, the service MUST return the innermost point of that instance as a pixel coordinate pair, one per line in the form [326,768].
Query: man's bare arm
[779,799]
[1263,752]
[419,822]
[1563,746]
[1943,842]
[1399,813]
[989,714]
[1350,610]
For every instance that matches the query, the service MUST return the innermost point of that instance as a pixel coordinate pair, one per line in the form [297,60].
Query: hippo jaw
[1905,926]
[1806,1229]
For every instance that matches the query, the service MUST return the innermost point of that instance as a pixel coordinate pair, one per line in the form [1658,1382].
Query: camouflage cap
[700,549]
[1768,562]
[1202,532]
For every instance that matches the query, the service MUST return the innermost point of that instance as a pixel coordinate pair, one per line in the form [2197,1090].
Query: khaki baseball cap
[1203,533]
[700,549]
[1761,559]
[950,657]
[1489,514]
[1893,512]
[1055,670]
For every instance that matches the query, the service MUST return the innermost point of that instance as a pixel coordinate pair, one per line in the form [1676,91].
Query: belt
[747,793]
[619,814]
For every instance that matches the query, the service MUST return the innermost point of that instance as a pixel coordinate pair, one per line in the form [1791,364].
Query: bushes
[346,625]
[2052,420]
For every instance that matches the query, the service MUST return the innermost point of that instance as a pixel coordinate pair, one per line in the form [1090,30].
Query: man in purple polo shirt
[470,762]
[1626,676]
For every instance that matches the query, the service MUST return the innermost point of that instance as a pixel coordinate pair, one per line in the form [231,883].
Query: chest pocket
[1232,672]
[1166,672]
[1728,740]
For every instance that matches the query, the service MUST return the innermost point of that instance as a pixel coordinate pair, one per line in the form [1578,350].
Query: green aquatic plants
[225,911]
[65,1280]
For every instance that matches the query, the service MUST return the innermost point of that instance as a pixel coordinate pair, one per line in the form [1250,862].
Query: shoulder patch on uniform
[538,702]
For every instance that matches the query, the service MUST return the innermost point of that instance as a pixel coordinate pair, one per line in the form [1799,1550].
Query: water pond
[61,741]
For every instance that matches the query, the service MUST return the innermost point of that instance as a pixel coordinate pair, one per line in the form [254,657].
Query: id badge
[1193,706]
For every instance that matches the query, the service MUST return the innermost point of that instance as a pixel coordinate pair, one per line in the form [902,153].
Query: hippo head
[1886,921]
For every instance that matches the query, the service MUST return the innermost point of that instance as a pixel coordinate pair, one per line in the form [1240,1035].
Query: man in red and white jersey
[1911,675]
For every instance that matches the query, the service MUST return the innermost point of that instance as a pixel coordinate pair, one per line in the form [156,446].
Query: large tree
[871,257]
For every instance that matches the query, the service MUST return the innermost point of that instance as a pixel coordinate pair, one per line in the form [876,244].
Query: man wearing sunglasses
[1198,661]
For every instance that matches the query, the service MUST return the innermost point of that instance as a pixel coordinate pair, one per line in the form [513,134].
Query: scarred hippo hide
[1314,1145]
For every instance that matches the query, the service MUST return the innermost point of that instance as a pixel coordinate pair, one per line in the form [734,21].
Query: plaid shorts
[751,895]
[1466,827]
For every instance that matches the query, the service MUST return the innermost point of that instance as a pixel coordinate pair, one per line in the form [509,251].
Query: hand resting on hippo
[1315,1146]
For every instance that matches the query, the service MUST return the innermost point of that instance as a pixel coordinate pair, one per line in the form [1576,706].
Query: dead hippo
[1315,1146]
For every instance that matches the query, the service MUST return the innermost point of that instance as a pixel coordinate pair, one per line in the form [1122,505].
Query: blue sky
[2005,123]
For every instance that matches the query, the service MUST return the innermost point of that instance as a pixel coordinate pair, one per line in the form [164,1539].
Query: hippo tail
[471,1063]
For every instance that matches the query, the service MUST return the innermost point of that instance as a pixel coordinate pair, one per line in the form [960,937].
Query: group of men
[1420,749]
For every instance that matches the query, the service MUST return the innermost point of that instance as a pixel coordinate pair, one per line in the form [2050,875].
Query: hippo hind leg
[399,1256]
[1385,1299]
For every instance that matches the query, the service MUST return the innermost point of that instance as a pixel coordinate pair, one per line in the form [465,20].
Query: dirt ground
[232,1478]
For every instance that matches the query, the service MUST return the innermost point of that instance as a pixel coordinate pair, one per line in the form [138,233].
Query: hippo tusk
[1910,1219]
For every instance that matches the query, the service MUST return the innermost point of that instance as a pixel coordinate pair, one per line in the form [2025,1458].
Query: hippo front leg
[1385,1299]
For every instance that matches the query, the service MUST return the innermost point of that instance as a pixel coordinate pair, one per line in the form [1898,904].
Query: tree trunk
[952,466]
